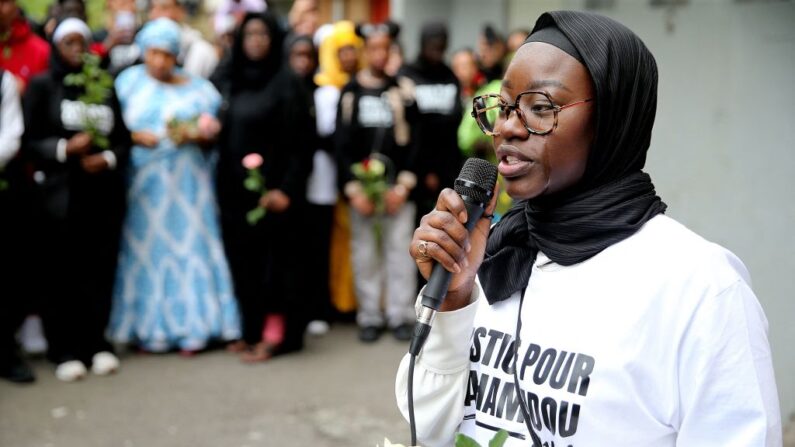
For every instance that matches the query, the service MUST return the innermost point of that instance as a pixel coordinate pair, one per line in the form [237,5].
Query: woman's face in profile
[535,165]
[256,40]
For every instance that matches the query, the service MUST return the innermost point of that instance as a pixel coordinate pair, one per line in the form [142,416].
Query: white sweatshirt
[656,341]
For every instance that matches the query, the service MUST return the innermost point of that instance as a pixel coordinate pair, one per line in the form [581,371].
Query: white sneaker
[70,371]
[317,328]
[104,363]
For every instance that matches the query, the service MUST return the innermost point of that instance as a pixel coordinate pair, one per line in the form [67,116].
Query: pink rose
[208,125]
[252,161]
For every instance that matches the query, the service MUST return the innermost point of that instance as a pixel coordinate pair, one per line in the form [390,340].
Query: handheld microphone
[475,185]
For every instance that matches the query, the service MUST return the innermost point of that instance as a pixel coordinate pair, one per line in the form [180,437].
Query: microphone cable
[475,185]
[517,340]
[412,422]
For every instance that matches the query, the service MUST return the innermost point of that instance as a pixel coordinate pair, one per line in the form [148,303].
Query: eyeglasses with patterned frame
[491,110]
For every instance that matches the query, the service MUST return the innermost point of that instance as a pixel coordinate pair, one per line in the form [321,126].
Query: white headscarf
[71,26]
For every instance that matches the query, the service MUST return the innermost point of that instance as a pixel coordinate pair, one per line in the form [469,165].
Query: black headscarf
[308,82]
[238,72]
[492,38]
[614,199]
[293,40]
[432,31]
[429,32]
[436,71]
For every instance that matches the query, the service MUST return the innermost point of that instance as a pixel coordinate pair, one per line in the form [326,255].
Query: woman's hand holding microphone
[442,238]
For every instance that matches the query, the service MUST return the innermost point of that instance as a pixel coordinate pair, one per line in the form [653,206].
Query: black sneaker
[18,372]
[403,332]
[369,334]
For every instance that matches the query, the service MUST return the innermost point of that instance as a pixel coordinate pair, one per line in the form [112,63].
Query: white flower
[389,444]
[377,168]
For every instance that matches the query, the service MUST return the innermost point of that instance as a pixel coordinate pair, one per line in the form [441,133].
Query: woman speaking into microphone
[585,317]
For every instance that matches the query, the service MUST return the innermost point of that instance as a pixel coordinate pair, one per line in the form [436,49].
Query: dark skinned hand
[275,201]
[362,204]
[394,199]
[449,244]
[78,144]
[146,139]
[94,164]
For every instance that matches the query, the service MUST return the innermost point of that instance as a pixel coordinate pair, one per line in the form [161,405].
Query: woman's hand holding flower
[78,144]
[94,164]
[394,199]
[275,200]
[144,138]
[362,204]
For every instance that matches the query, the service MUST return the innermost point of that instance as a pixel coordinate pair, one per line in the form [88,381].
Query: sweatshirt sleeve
[727,388]
[343,134]
[441,372]
[39,140]
[298,119]
[11,123]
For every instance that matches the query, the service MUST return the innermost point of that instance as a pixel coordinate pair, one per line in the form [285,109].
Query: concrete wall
[464,17]
[723,150]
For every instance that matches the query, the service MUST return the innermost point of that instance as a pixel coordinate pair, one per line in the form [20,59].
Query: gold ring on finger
[422,247]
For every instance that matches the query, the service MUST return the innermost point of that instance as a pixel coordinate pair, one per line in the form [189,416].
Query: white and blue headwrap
[163,34]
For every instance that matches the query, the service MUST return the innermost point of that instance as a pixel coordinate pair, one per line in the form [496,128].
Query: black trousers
[78,268]
[62,270]
[16,301]
[315,244]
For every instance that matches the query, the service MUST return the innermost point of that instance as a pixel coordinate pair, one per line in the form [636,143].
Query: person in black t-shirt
[434,88]
[373,129]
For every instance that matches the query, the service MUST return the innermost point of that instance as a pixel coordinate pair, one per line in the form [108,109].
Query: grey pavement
[338,392]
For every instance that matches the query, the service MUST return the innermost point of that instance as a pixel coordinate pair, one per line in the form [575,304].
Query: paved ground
[337,393]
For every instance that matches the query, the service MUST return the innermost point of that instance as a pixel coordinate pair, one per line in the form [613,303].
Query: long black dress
[80,214]
[264,113]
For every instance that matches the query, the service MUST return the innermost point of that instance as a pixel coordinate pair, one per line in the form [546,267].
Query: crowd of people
[171,192]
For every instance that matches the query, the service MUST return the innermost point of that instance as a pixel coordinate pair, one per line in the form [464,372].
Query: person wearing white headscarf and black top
[81,191]
[586,317]
[433,86]
[265,113]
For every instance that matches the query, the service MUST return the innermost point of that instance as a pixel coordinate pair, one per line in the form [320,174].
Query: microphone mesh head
[481,173]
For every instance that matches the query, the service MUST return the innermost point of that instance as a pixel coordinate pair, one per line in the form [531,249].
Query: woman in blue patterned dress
[173,287]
